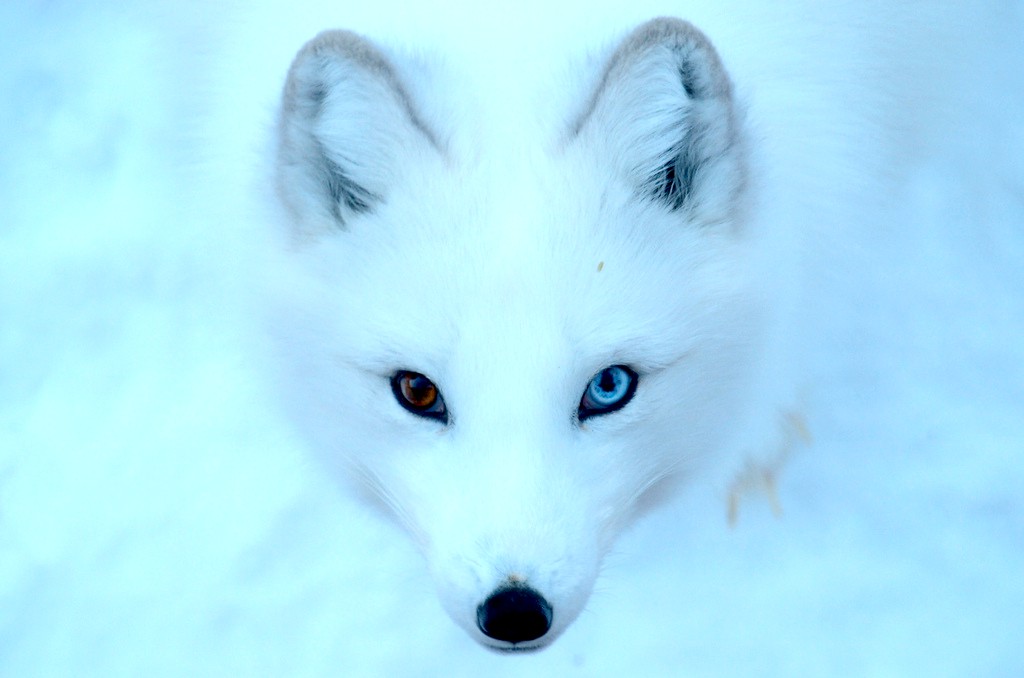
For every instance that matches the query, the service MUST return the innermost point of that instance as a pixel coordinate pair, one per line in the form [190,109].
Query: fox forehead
[554,277]
[516,320]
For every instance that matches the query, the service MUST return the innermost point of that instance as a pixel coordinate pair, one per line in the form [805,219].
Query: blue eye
[609,390]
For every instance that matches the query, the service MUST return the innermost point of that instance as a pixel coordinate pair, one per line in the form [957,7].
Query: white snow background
[159,517]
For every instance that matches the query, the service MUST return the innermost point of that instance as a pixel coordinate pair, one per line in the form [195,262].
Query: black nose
[514,614]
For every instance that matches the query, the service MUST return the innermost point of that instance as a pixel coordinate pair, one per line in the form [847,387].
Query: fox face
[515,339]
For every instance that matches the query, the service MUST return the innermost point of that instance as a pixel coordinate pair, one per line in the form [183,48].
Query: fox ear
[664,112]
[346,126]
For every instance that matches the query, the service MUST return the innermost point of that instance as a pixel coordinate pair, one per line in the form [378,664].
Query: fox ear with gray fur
[663,114]
[347,126]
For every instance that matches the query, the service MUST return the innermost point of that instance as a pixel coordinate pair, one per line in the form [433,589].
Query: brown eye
[419,395]
[418,391]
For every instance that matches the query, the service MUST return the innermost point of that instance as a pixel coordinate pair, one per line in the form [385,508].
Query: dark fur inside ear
[346,120]
[308,99]
[673,182]
[342,191]
[665,105]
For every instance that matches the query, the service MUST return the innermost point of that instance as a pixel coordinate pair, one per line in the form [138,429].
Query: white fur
[513,253]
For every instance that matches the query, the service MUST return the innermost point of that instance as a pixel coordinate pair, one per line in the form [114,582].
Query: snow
[158,516]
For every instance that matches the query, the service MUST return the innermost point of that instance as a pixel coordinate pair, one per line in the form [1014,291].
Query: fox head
[517,335]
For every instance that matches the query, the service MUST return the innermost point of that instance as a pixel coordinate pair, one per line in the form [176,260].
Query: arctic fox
[520,323]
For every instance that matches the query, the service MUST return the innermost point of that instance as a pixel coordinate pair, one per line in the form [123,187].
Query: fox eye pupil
[609,390]
[419,395]
[418,391]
